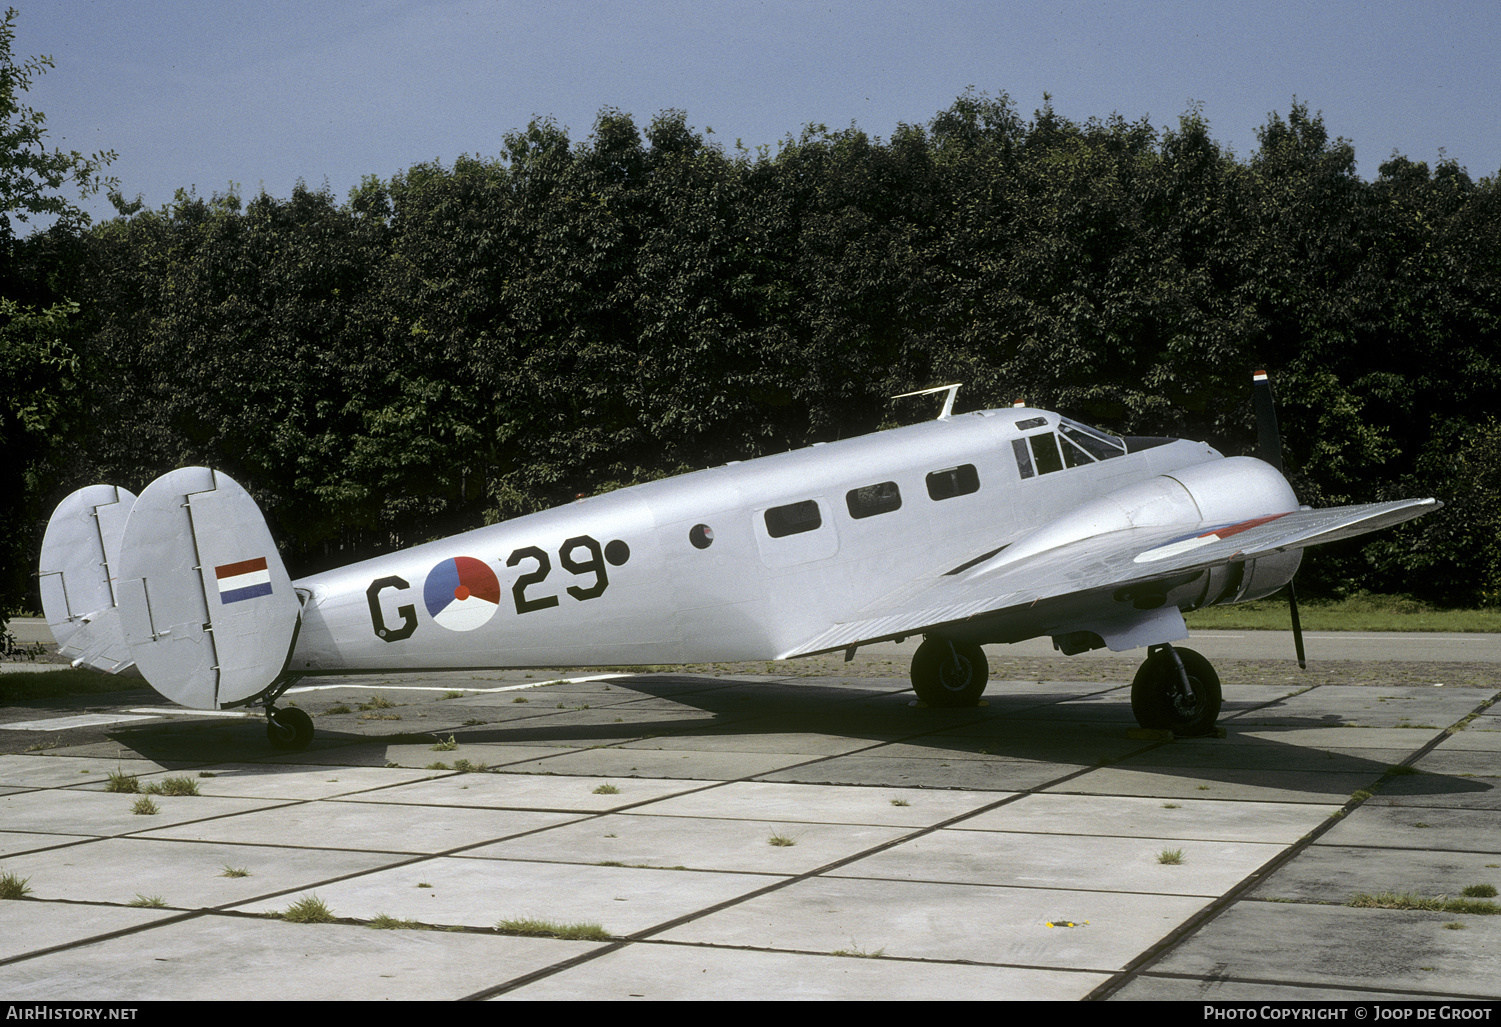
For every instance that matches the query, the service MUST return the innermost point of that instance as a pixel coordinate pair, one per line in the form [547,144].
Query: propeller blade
[1269,449]
[1268,439]
[1292,605]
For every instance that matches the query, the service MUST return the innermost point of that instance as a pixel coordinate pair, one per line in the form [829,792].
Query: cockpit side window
[1045,453]
[1023,457]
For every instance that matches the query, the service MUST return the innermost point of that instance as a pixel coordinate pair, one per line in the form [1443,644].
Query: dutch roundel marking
[461,593]
[1187,543]
[246,579]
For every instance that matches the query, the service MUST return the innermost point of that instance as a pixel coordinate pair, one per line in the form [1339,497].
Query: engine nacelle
[1238,488]
[1266,574]
[1236,582]
[1235,489]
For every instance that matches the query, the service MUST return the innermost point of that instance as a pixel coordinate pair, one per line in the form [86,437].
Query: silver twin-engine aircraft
[972,529]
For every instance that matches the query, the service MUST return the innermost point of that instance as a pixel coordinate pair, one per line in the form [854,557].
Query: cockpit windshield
[1096,443]
[1071,445]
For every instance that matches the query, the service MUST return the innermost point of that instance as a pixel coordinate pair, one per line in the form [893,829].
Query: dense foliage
[465,343]
[41,390]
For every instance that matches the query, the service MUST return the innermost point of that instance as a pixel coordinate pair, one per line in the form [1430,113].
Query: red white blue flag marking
[244,580]
[1188,543]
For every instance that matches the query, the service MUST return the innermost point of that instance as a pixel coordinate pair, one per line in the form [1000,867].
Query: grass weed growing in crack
[119,781]
[309,909]
[536,928]
[386,922]
[1409,900]
[173,786]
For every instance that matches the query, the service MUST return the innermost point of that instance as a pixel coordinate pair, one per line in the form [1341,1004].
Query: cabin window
[793,519]
[869,500]
[1031,422]
[1045,453]
[953,481]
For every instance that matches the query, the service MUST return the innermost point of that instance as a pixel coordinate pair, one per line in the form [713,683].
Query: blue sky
[202,93]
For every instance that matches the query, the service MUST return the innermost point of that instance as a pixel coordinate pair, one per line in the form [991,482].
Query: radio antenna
[948,404]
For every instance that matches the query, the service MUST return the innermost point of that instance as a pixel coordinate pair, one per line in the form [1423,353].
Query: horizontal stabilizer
[99,643]
[208,611]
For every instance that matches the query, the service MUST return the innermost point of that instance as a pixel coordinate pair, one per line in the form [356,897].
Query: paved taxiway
[754,835]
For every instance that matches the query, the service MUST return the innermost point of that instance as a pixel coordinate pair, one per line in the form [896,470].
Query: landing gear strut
[290,729]
[949,674]
[1176,690]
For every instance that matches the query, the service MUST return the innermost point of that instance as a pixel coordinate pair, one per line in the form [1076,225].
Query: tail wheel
[949,674]
[290,729]
[1159,701]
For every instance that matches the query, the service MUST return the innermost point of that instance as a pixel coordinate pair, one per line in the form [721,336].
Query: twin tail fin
[183,582]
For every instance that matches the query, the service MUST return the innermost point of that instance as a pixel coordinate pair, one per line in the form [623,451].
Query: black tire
[1157,703]
[289,730]
[949,675]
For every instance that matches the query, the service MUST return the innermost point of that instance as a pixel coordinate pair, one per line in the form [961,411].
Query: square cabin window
[869,500]
[953,481]
[793,519]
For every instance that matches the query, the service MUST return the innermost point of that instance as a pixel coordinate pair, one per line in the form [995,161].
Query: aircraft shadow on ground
[1081,731]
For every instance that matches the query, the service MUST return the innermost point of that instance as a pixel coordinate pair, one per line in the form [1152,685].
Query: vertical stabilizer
[79,562]
[208,611]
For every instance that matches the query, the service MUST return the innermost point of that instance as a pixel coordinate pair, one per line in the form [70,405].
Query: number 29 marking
[615,552]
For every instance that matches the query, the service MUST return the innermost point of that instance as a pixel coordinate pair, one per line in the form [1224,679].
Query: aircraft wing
[1130,559]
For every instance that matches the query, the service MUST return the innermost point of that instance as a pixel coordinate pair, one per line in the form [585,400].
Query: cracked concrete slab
[1008,851]
[743,846]
[1398,954]
[476,892]
[281,961]
[664,973]
[948,921]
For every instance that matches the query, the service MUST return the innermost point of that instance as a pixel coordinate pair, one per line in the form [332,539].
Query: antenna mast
[948,404]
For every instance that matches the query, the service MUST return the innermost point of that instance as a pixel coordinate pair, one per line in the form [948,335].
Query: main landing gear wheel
[949,674]
[290,729]
[1160,700]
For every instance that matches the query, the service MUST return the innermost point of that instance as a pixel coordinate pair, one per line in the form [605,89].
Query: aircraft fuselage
[741,562]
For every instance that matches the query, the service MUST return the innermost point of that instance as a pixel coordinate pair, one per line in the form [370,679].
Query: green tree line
[471,342]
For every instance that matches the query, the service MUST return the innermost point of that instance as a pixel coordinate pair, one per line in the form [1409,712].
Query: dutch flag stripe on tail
[244,580]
